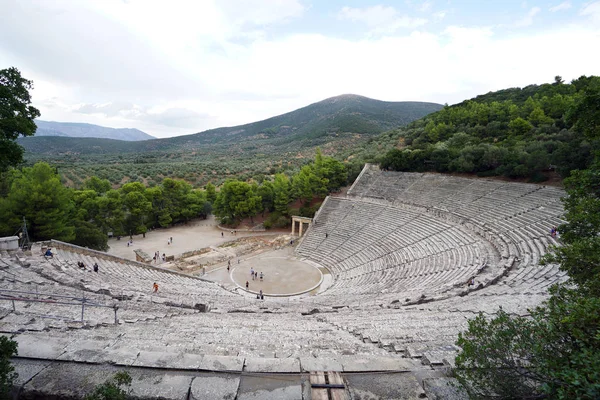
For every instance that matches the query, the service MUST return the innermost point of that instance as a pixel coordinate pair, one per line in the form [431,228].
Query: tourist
[171,239]
[155,287]
[96,267]
[261,276]
[252,272]
[326,235]
[221,234]
[471,282]
[164,257]
[261,294]
[247,284]
[48,253]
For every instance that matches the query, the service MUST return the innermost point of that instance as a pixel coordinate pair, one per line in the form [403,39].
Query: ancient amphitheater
[400,248]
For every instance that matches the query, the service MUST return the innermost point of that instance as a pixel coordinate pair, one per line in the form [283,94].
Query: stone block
[391,386]
[33,346]
[320,364]
[215,386]
[280,387]
[444,388]
[157,359]
[272,365]
[222,363]
[157,384]
[362,364]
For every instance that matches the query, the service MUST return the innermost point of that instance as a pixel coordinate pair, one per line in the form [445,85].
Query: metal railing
[55,299]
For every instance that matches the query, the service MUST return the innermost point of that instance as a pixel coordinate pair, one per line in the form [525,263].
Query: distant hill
[79,130]
[318,124]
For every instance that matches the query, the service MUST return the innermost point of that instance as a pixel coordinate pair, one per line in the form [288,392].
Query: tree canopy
[16,115]
[555,352]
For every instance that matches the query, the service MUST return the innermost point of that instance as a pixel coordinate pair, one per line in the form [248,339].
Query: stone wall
[9,243]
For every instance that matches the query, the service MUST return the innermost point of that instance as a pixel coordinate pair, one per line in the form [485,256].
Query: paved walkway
[195,235]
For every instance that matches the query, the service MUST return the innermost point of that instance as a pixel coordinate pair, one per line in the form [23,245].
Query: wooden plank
[319,394]
[318,377]
[338,394]
[336,379]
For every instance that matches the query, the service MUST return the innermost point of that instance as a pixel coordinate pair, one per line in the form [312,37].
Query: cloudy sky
[178,67]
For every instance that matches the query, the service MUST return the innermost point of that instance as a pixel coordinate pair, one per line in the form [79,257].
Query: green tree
[137,206]
[236,200]
[112,389]
[211,193]
[16,115]
[519,126]
[37,194]
[267,195]
[554,353]
[8,349]
[96,184]
[281,191]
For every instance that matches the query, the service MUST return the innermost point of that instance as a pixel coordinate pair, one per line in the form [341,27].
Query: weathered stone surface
[157,359]
[32,347]
[444,389]
[157,384]
[280,387]
[320,364]
[384,386]
[221,363]
[255,364]
[360,364]
[121,356]
[27,369]
[66,380]
[188,361]
[215,387]
[91,351]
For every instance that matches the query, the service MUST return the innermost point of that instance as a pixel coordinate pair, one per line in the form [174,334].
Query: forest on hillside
[517,133]
[87,216]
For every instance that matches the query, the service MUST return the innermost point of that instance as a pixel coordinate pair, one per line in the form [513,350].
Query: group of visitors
[554,231]
[254,274]
[81,265]
[157,257]
[130,242]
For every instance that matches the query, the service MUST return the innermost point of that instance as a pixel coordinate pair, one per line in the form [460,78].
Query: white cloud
[528,19]
[425,7]
[592,10]
[565,5]
[193,66]
[438,16]
[380,19]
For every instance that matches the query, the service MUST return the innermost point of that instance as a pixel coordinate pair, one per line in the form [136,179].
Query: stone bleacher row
[516,217]
[373,248]
[118,283]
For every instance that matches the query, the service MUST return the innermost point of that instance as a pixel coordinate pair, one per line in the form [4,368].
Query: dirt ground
[195,235]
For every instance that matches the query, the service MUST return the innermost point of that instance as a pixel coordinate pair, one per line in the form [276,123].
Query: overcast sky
[178,67]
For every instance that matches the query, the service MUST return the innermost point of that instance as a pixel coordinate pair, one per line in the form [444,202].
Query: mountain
[79,130]
[342,118]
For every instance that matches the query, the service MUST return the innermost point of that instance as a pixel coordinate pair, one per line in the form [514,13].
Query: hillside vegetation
[514,132]
[280,144]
